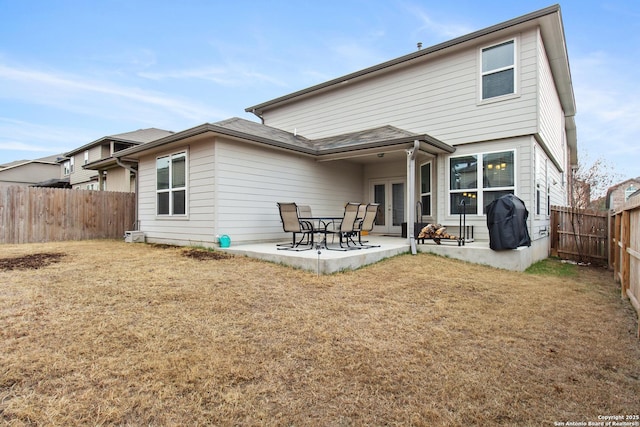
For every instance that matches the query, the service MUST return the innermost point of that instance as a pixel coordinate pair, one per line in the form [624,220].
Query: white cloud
[141,58]
[21,146]
[96,97]
[442,30]
[608,101]
[34,137]
[231,75]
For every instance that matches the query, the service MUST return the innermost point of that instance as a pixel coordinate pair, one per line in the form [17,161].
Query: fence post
[624,240]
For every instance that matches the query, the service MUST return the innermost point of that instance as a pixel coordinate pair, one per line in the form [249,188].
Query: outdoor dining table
[322,221]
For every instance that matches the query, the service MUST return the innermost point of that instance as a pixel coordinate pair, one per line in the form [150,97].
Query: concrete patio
[325,261]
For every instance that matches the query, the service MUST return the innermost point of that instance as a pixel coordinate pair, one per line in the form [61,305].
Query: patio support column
[100,180]
[411,194]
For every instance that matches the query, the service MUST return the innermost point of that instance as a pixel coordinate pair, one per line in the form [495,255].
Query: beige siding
[118,179]
[29,173]
[438,96]
[547,179]
[198,226]
[523,189]
[233,189]
[252,180]
[80,176]
[551,116]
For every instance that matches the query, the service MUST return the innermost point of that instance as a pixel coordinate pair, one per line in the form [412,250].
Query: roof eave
[101,164]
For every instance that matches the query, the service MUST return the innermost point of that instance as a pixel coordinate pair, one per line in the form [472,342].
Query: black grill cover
[507,222]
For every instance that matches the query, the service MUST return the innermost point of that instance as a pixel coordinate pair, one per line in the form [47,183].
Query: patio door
[389,194]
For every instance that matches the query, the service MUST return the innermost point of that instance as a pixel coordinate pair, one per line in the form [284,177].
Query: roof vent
[419,45]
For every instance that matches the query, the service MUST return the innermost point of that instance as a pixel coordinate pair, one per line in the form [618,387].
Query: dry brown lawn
[104,332]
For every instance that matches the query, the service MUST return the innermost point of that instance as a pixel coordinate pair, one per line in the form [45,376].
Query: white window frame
[478,192]
[430,192]
[172,189]
[482,73]
[66,167]
[71,165]
[86,157]
[541,195]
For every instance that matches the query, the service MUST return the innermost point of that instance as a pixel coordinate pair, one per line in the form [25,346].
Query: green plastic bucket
[225,241]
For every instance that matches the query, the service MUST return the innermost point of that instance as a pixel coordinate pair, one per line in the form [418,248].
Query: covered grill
[507,222]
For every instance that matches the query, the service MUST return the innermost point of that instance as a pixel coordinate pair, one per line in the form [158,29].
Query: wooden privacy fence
[625,251]
[30,214]
[579,235]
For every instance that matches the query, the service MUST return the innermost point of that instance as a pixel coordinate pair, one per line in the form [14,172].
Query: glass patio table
[323,222]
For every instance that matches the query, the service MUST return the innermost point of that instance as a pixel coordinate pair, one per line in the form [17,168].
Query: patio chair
[366,223]
[304,211]
[291,223]
[320,224]
[347,228]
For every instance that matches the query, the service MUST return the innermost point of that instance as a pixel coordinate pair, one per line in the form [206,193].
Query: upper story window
[71,162]
[66,166]
[171,184]
[498,70]
[629,191]
[477,180]
[86,157]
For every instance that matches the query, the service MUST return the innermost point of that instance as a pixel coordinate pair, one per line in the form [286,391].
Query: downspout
[411,196]
[135,172]
[258,115]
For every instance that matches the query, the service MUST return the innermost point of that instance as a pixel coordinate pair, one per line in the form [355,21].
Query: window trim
[516,70]
[171,190]
[541,184]
[479,190]
[430,192]
[629,191]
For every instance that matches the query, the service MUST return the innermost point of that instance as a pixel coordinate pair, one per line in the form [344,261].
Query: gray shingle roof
[265,132]
[364,137]
[383,136]
[140,136]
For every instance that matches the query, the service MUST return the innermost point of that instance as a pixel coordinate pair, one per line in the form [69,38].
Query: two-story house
[93,167]
[619,194]
[471,119]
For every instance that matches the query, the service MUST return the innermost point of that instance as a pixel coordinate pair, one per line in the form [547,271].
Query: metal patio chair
[291,223]
[347,228]
[366,223]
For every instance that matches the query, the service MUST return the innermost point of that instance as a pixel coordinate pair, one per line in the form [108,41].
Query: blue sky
[72,72]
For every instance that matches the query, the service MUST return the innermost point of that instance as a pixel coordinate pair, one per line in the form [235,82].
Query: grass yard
[104,332]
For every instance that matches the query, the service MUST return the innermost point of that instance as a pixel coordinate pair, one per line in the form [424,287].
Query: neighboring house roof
[102,164]
[548,19]
[140,136]
[28,172]
[380,137]
[43,160]
[54,183]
